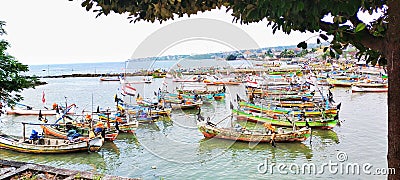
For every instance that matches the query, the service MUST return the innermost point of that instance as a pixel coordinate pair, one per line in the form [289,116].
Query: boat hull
[368,89]
[211,132]
[325,124]
[48,145]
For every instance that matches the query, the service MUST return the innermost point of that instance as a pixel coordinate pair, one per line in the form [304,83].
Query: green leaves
[324,37]
[302,45]
[359,27]
[11,80]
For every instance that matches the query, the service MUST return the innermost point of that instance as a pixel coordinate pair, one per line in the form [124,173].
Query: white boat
[20,111]
[368,89]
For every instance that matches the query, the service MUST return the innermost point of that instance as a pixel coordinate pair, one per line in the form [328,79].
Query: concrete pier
[20,170]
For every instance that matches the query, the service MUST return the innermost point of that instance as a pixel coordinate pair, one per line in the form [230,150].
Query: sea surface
[175,149]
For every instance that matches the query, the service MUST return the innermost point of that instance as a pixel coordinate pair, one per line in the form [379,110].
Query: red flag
[43,99]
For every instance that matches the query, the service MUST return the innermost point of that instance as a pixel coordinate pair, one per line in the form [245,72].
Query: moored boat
[368,89]
[60,133]
[259,136]
[50,145]
[19,111]
[320,123]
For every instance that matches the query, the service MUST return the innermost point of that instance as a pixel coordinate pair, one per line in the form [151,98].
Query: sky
[61,31]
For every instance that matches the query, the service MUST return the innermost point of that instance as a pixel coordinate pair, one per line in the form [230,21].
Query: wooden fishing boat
[321,123]
[330,113]
[186,105]
[109,78]
[59,131]
[19,111]
[368,89]
[259,136]
[134,109]
[370,85]
[340,83]
[219,96]
[50,145]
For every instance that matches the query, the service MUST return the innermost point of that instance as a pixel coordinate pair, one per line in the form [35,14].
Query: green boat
[323,123]
[329,113]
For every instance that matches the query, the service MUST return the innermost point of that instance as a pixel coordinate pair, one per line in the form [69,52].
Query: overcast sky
[61,31]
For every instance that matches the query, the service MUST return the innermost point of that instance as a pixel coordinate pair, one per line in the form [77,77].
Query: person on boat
[238,127]
[210,123]
[99,128]
[269,127]
[34,135]
[88,117]
[54,106]
[72,135]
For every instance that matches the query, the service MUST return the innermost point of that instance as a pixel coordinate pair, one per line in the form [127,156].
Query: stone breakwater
[22,170]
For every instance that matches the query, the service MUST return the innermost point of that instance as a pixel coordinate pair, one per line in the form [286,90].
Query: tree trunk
[392,53]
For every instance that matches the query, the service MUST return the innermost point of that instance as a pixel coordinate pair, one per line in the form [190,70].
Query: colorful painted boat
[258,136]
[50,145]
[330,113]
[186,105]
[322,123]
[340,83]
[219,96]
[58,132]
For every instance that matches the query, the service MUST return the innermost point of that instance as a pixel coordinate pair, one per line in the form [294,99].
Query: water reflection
[214,146]
[79,161]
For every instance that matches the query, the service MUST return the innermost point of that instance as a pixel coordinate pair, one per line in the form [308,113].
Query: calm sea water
[179,151]
[129,66]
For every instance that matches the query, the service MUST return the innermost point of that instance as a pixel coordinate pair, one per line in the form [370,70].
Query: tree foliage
[300,15]
[11,80]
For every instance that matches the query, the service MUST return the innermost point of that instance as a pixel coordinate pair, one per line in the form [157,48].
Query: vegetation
[11,80]
[377,41]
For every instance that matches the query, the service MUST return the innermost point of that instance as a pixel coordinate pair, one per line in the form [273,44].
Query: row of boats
[285,107]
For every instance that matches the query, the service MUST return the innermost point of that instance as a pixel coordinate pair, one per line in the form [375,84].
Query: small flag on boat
[238,97]
[338,106]
[40,115]
[231,105]
[43,98]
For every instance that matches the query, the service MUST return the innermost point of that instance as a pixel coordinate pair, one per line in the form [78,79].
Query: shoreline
[150,73]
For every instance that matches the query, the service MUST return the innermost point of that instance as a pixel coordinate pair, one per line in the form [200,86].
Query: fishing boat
[340,83]
[110,78]
[312,112]
[186,105]
[321,123]
[59,131]
[369,89]
[31,111]
[49,145]
[134,109]
[219,96]
[260,136]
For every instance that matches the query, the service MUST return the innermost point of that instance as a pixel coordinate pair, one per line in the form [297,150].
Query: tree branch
[363,37]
